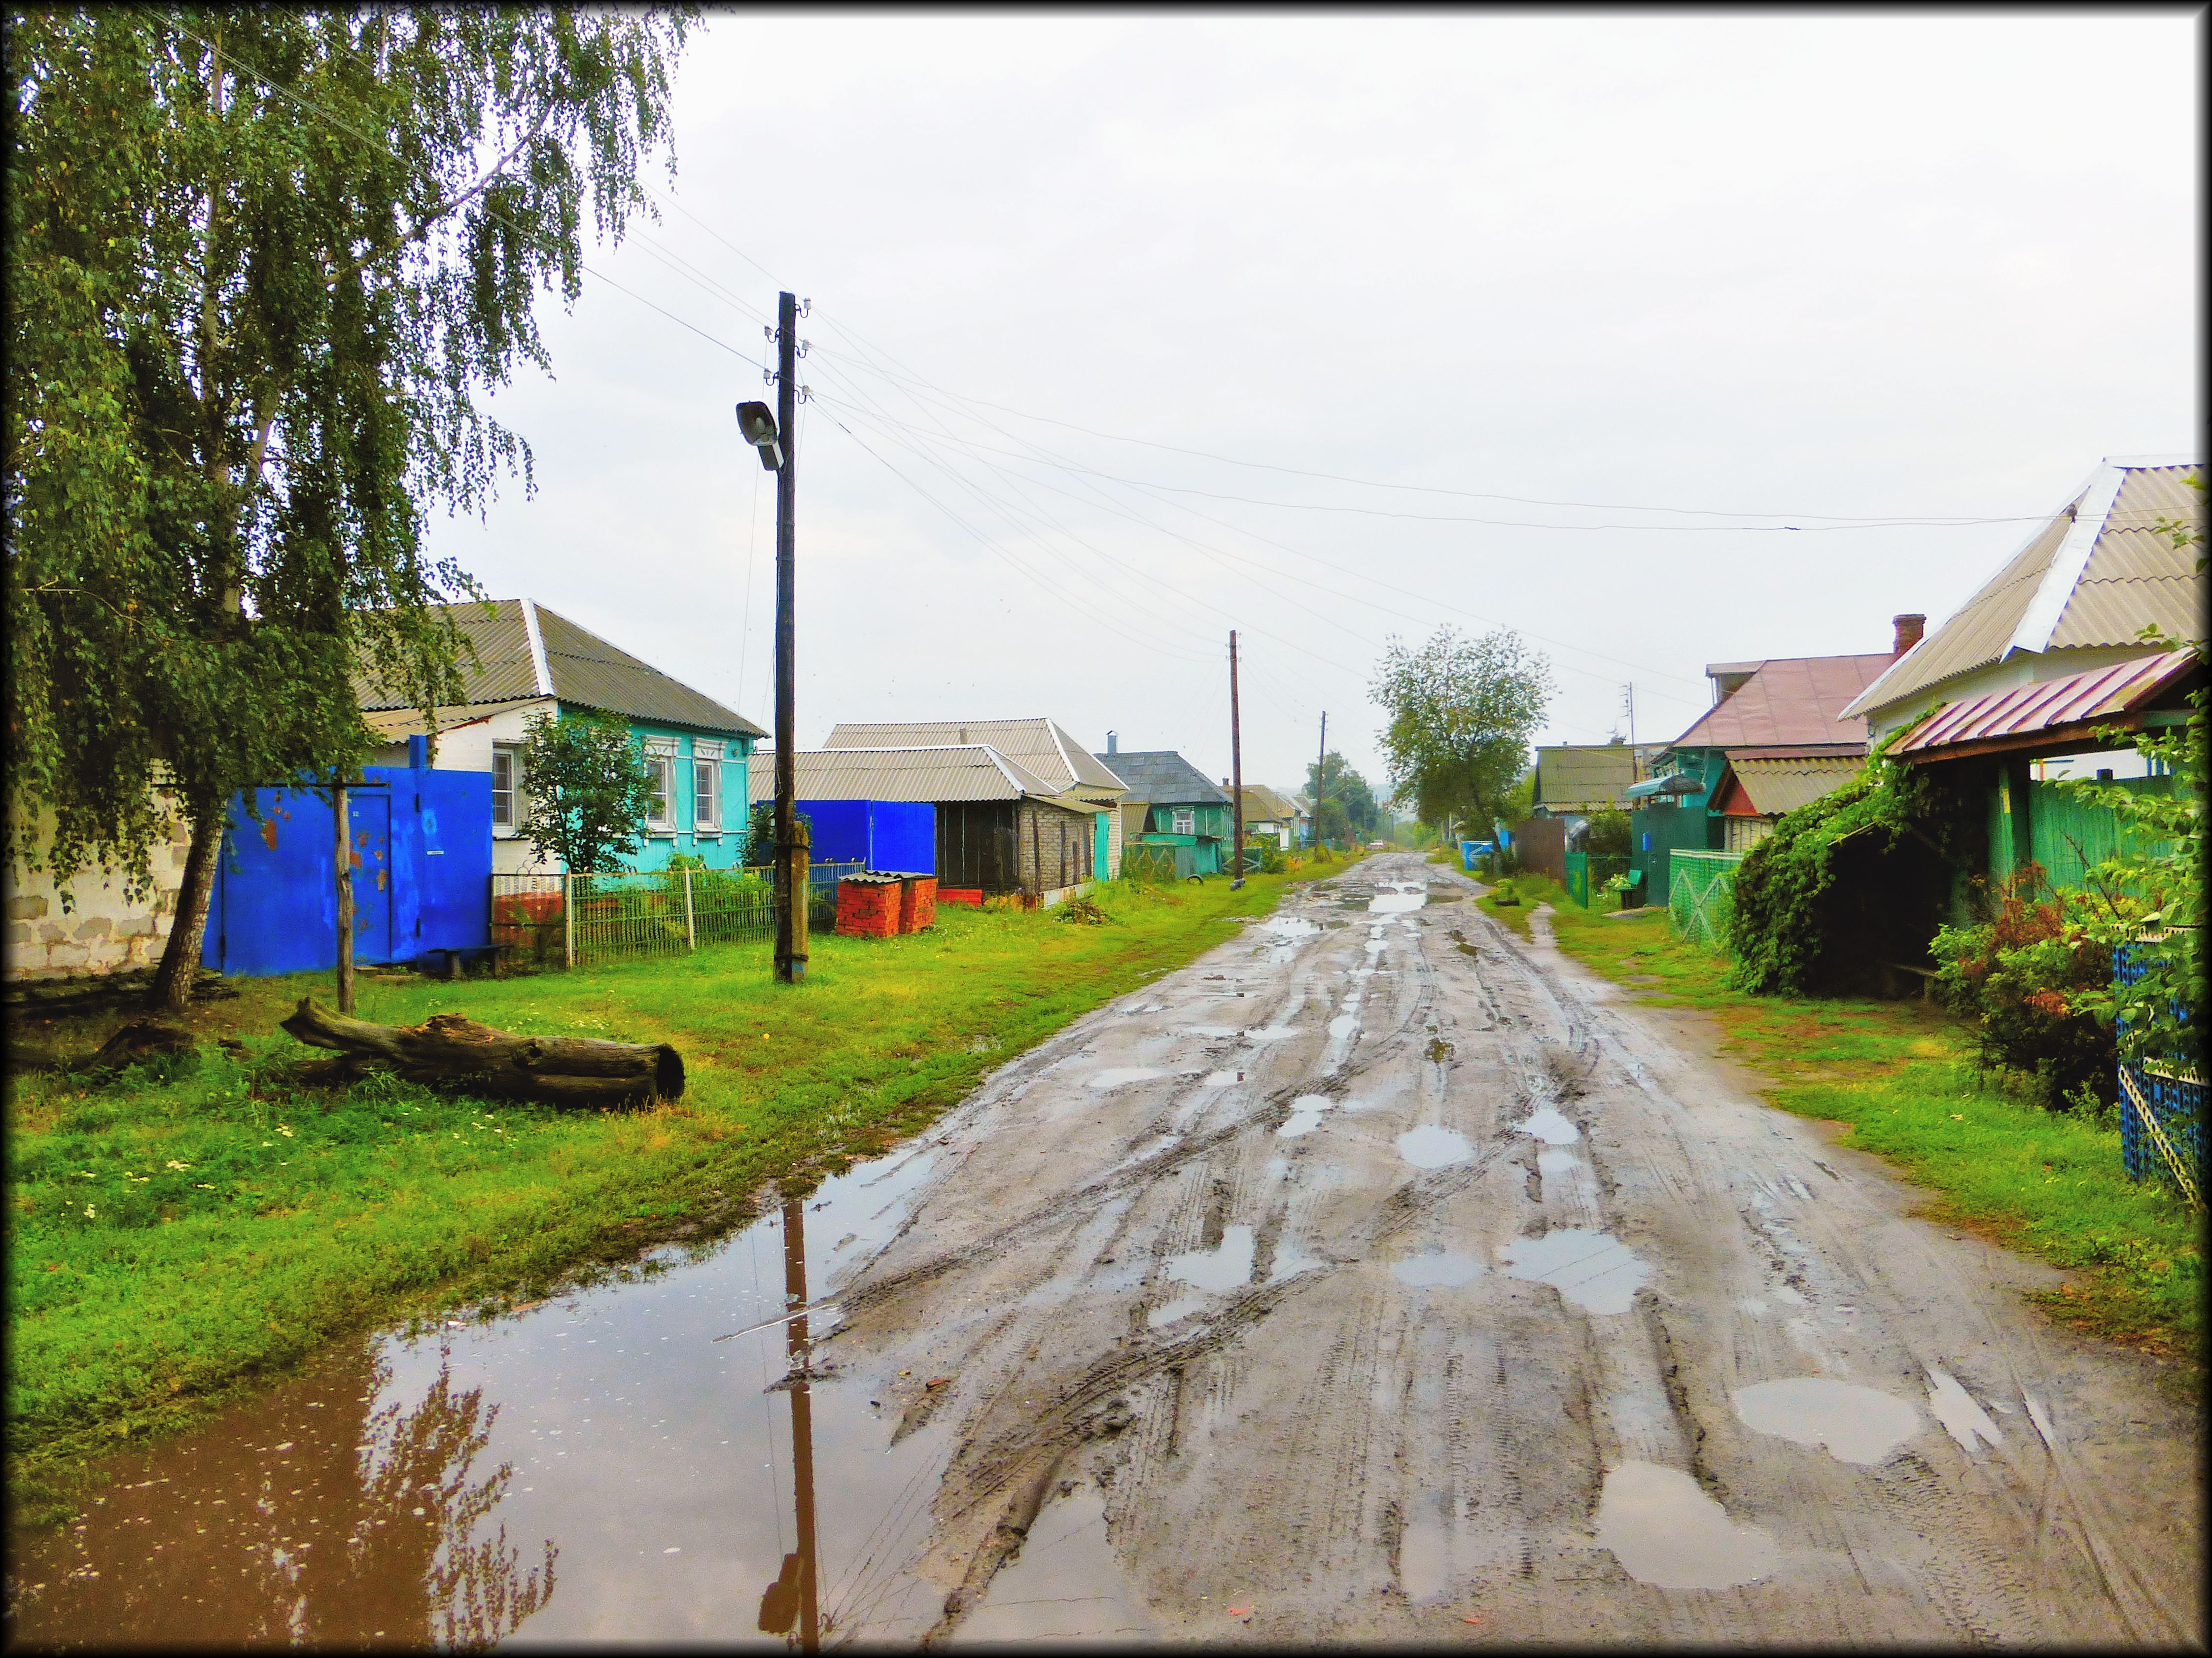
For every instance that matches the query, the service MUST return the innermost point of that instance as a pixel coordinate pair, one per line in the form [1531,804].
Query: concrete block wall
[100,930]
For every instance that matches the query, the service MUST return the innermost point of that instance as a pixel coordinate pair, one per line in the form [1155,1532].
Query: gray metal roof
[1162,777]
[1589,773]
[524,650]
[974,772]
[2097,574]
[1042,746]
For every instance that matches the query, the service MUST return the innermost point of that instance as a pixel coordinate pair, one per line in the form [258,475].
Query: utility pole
[791,847]
[1321,776]
[344,861]
[800,1351]
[1635,774]
[1236,770]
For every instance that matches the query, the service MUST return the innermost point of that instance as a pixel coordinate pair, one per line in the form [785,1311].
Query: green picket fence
[1587,875]
[1698,885]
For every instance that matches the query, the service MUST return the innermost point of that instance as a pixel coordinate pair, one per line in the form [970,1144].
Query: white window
[660,769]
[1185,821]
[506,806]
[705,794]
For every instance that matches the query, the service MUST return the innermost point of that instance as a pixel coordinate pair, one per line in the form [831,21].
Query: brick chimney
[1909,626]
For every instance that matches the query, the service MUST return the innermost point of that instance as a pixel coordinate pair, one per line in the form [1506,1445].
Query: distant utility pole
[1236,771]
[1635,774]
[791,839]
[1321,777]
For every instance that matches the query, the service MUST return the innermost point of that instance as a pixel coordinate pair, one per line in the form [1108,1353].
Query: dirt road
[1383,1275]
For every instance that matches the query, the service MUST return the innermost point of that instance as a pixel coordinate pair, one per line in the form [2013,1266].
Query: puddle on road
[1270,1033]
[1305,1115]
[1215,1031]
[1342,1026]
[1854,1424]
[1425,1551]
[1226,1266]
[1954,1407]
[1436,1272]
[1064,1585]
[595,1468]
[1431,1147]
[1594,1270]
[1398,898]
[1664,1530]
[1556,1162]
[1547,1124]
[1121,1074]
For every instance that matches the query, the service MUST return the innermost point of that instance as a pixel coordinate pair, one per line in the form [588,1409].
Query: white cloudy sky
[1873,266]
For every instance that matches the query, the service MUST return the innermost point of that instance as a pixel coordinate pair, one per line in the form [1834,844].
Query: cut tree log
[449,1051]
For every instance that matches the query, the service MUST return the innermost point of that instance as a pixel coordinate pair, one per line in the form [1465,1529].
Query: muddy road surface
[1381,1276]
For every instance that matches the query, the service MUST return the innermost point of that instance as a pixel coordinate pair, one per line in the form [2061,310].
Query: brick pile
[868,906]
[961,896]
[917,903]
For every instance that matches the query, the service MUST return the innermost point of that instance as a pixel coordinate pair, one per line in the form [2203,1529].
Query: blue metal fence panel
[902,836]
[837,831]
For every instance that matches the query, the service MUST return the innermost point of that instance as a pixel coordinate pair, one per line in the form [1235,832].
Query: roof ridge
[541,670]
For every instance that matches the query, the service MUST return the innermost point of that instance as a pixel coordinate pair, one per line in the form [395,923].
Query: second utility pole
[791,849]
[1236,772]
[1321,772]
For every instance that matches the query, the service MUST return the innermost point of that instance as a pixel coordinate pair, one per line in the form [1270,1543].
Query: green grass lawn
[1897,1076]
[176,1237]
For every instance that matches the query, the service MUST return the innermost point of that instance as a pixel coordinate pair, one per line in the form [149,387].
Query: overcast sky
[1878,265]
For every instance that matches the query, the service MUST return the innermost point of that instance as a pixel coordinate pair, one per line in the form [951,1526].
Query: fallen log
[449,1051]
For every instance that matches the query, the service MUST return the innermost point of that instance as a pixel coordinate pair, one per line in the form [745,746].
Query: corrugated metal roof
[1790,699]
[973,772]
[2133,576]
[1590,774]
[581,670]
[1162,777]
[394,724]
[1263,805]
[1775,786]
[1041,745]
[2048,705]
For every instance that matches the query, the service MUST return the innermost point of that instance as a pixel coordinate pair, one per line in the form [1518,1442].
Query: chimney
[1113,743]
[1909,626]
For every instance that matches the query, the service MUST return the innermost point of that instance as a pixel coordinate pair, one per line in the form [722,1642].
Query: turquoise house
[1180,808]
[532,663]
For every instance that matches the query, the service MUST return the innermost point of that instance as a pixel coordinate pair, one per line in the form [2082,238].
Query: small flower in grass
[285,1131]
[173,1164]
[89,1213]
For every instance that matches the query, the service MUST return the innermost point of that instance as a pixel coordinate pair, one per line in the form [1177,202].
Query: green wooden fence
[1698,884]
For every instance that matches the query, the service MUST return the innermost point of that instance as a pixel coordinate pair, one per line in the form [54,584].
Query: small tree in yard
[588,790]
[1462,712]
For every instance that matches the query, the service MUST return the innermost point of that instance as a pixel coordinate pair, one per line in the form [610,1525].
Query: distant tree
[1609,835]
[1462,712]
[260,261]
[588,790]
[1346,790]
[760,834]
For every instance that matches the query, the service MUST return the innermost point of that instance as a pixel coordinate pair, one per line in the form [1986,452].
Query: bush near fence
[1698,885]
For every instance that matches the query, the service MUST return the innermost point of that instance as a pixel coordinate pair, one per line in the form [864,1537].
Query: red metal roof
[2047,706]
[1790,700]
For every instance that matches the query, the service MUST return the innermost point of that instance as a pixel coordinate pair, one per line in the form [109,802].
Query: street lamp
[758,422]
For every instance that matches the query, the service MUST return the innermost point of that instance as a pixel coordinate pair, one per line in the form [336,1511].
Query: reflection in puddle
[1594,1270]
[1856,1424]
[1954,1407]
[1431,1147]
[1663,1529]
[1117,1077]
[1398,898]
[1435,1271]
[1547,1124]
[1223,1268]
[1273,1033]
[1064,1585]
[1556,1162]
[1424,1551]
[1305,1115]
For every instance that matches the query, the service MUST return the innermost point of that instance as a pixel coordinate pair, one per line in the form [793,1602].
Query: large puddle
[1852,1424]
[1396,897]
[1594,1270]
[1663,1529]
[646,1460]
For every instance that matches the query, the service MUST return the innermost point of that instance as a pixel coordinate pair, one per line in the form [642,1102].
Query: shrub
[1609,835]
[2021,975]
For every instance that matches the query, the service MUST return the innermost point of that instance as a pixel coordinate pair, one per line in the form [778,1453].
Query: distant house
[1039,747]
[1758,787]
[1181,808]
[1270,817]
[1781,708]
[999,827]
[1575,779]
[533,663]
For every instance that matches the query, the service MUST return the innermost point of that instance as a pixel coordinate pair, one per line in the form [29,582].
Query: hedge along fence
[1587,875]
[635,914]
[1700,887]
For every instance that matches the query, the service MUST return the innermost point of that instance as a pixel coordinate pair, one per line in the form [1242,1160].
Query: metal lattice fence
[2161,1115]
[585,920]
[1699,886]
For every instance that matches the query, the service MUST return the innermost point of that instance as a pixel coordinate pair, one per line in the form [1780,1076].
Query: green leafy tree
[760,834]
[1462,712]
[588,790]
[1347,803]
[1610,836]
[259,263]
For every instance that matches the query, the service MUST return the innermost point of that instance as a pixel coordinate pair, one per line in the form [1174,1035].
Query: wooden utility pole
[345,860]
[802,1420]
[791,847]
[1321,777]
[1236,770]
[1635,771]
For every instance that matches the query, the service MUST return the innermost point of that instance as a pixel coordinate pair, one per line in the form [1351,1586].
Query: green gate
[1587,875]
[1697,888]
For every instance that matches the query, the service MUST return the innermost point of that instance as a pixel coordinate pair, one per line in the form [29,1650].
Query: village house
[1268,816]
[533,663]
[1171,804]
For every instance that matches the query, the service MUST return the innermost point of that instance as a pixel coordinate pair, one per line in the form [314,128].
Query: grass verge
[1896,1079]
[184,1232]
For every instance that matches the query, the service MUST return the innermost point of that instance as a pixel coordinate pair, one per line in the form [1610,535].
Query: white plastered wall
[101,930]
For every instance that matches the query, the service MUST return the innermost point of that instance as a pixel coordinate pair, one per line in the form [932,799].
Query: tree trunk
[180,960]
[447,1050]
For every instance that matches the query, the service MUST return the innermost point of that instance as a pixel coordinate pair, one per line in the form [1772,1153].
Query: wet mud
[1380,1276]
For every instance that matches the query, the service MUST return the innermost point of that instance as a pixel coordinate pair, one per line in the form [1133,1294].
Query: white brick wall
[100,932]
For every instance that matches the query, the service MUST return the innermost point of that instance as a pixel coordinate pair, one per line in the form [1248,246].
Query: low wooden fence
[580,920]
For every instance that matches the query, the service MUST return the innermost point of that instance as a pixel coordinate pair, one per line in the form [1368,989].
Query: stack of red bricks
[917,903]
[868,906]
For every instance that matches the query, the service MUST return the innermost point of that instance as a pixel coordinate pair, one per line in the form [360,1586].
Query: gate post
[568,919]
[690,926]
